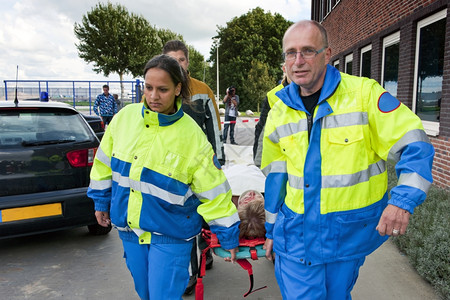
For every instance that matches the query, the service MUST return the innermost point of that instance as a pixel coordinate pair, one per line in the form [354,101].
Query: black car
[46,155]
[96,124]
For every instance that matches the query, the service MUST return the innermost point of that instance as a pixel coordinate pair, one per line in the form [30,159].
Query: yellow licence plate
[30,212]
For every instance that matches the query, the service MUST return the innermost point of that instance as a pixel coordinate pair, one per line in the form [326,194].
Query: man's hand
[268,246]
[393,221]
[233,255]
[103,218]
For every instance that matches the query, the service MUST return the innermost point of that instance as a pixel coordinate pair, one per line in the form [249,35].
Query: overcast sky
[37,35]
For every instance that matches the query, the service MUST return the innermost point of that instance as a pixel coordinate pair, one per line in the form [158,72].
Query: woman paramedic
[154,177]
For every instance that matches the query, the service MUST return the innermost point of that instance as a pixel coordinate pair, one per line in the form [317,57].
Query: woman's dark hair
[176,72]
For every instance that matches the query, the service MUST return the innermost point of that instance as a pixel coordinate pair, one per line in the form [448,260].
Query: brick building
[405,46]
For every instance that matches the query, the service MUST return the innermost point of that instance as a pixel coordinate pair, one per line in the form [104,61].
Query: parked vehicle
[96,124]
[46,154]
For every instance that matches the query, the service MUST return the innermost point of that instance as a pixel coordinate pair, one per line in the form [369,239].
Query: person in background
[105,105]
[155,190]
[265,108]
[203,109]
[325,147]
[118,103]
[231,102]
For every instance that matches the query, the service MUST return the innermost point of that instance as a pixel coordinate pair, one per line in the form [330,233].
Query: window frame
[431,128]
[348,59]
[363,50]
[389,40]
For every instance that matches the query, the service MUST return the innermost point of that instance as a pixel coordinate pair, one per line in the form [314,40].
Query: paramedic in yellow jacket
[155,176]
[325,149]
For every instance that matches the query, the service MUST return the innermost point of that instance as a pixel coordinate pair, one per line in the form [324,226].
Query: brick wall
[441,166]
[354,24]
[366,18]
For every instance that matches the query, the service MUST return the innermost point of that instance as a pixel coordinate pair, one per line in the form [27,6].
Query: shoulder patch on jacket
[387,103]
[216,162]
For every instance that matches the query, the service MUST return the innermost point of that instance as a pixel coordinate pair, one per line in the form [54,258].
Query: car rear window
[29,127]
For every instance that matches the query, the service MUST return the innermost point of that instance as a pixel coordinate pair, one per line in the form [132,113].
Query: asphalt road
[74,265]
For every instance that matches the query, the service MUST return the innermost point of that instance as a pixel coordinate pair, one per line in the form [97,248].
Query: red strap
[199,289]
[254,254]
[248,266]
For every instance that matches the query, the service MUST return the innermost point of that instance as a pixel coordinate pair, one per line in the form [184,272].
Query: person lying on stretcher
[252,215]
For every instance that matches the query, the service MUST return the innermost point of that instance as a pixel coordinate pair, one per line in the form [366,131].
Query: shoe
[209,260]
[233,143]
[191,285]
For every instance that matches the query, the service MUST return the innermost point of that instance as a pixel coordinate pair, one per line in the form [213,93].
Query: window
[366,60]
[391,46]
[429,67]
[336,64]
[349,64]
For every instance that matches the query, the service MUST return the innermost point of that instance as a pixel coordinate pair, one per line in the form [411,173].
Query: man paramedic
[325,149]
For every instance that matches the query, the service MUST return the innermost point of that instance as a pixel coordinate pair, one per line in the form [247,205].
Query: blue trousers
[332,281]
[160,271]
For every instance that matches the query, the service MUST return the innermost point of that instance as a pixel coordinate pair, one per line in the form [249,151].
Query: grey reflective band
[296,182]
[123,181]
[212,194]
[337,181]
[350,119]
[414,180]
[126,228]
[288,130]
[275,167]
[416,135]
[270,217]
[226,221]
[101,156]
[151,189]
[100,184]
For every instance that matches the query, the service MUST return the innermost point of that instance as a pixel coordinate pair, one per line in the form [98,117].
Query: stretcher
[247,249]
[242,176]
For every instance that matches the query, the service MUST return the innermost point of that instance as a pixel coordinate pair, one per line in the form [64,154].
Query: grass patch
[427,240]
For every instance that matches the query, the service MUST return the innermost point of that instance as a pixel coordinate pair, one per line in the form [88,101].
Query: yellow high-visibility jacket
[158,174]
[325,191]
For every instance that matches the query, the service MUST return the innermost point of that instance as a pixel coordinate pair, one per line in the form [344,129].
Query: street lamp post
[217,64]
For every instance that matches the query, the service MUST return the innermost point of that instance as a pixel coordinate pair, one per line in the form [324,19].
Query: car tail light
[81,158]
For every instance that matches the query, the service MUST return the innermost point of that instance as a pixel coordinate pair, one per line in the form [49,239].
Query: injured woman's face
[252,215]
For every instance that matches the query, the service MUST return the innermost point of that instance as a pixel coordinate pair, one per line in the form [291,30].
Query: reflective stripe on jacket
[324,194]
[203,109]
[158,174]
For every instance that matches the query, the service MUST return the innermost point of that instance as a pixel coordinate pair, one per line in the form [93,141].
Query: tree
[196,59]
[258,84]
[116,41]
[197,64]
[254,36]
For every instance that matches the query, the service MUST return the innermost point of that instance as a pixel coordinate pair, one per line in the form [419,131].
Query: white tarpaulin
[241,172]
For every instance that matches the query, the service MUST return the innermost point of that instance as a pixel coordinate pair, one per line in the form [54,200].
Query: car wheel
[96,229]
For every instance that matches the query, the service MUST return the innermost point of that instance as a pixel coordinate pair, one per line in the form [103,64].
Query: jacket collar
[291,93]
[163,119]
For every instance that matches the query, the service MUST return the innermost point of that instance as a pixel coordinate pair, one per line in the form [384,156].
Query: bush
[427,240]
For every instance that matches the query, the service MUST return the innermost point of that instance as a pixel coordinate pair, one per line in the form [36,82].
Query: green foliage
[197,64]
[166,35]
[427,240]
[258,83]
[116,41]
[254,36]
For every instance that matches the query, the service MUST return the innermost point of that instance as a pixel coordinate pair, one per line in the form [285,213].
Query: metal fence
[80,93]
